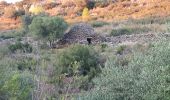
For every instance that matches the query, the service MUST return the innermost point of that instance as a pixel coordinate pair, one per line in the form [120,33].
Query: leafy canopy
[48,28]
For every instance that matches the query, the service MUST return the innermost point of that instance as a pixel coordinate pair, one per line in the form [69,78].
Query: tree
[36,9]
[85,14]
[48,28]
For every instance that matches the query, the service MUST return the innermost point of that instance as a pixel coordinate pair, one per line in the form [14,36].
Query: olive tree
[48,28]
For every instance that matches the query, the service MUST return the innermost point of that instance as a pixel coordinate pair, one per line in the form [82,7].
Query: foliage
[85,56]
[19,86]
[102,3]
[99,24]
[48,28]
[20,46]
[10,12]
[103,47]
[5,73]
[26,21]
[35,9]
[120,32]
[26,64]
[11,34]
[129,30]
[85,14]
[14,85]
[90,4]
[3,51]
[145,78]
[120,49]
[19,13]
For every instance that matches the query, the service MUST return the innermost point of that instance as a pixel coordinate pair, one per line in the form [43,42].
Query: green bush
[48,28]
[128,31]
[19,86]
[26,21]
[10,12]
[90,4]
[3,50]
[26,64]
[86,57]
[120,49]
[99,24]
[145,78]
[11,34]
[5,73]
[20,46]
[14,85]
[118,32]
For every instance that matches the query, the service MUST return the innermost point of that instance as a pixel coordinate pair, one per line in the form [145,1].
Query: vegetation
[112,67]
[20,46]
[86,58]
[145,77]
[49,29]
[128,31]
[99,24]
[36,9]
[10,12]
[85,14]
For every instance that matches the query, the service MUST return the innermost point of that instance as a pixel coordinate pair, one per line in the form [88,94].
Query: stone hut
[80,33]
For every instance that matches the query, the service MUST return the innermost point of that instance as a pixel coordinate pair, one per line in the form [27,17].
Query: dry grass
[114,12]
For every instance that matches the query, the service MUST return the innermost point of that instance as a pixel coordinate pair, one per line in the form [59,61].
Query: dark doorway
[89,40]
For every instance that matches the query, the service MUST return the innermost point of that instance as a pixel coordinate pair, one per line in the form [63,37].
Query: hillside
[117,11]
[85,50]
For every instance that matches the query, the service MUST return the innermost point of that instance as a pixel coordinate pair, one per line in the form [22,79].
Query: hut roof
[79,32]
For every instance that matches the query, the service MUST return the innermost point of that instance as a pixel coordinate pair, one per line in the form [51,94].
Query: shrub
[103,47]
[26,21]
[10,12]
[85,56]
[120,49]
[11,34]
[90,4]
[35,9]
[19,86]
[119,32]
[48,28]
[19,13]
[129,30]
[3,50]
[20,46]
[146,77]
[85,14]
[5,73]
[99,24]
[26,64]
[102,3]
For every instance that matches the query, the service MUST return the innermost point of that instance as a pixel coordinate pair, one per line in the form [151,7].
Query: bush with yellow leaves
[36,9]
[85,14]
